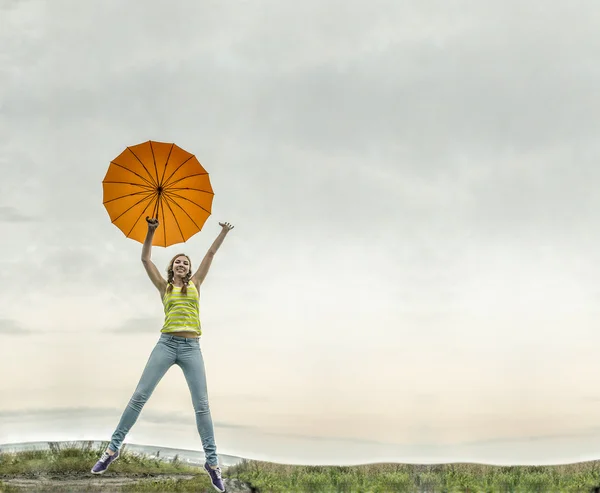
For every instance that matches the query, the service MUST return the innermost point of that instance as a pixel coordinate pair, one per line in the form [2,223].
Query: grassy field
[67,465]
[449,478]
[67,468]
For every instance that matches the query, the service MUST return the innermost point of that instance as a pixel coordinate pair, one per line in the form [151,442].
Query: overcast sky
[413,273]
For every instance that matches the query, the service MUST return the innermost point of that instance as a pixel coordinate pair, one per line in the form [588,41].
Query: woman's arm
[151,269]
[200,275]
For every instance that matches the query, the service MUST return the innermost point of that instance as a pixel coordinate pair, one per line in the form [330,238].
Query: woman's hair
[170,274]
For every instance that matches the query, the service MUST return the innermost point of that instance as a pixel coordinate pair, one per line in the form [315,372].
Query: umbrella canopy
[159,180]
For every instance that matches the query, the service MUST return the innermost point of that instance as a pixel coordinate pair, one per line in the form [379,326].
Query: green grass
[445,478]
[4,488]
[78,459]
[75,462]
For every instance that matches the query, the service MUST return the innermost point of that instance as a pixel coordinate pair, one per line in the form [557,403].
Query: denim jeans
[170,350]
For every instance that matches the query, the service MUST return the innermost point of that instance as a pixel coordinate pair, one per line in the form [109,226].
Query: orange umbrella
[160,180]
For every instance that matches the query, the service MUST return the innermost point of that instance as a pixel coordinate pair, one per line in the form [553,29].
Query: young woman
[178,344]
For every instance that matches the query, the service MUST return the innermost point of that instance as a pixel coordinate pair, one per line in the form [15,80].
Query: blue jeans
[170,350]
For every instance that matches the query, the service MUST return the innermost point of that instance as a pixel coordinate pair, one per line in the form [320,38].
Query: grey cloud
[141,324]
[59,265]
[404,94]
[11,327]
[585,433]
[186,418]
[537,201]
[80,262]
[60,413]
[591,398]
[149,415]
[504,91]
[414,108]
[418,128]
[11,214]
[451,450]
[253,398]
[72,263]
[356,441]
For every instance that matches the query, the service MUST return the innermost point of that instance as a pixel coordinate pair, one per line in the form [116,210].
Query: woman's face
[181,266]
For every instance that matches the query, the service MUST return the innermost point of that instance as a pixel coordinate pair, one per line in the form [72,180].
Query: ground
[102,484]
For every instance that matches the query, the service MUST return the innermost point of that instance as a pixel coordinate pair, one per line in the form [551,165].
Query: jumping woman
[179,344]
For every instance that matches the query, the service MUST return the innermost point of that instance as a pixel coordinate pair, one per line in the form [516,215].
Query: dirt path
[80,483]
[100,484]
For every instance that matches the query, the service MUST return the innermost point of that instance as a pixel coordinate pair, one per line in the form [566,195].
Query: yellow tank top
[182,313]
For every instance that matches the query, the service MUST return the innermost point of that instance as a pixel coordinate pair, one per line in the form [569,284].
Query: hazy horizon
[413,269]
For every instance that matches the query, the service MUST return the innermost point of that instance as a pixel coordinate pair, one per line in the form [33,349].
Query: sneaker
[215,477]
[104,461]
